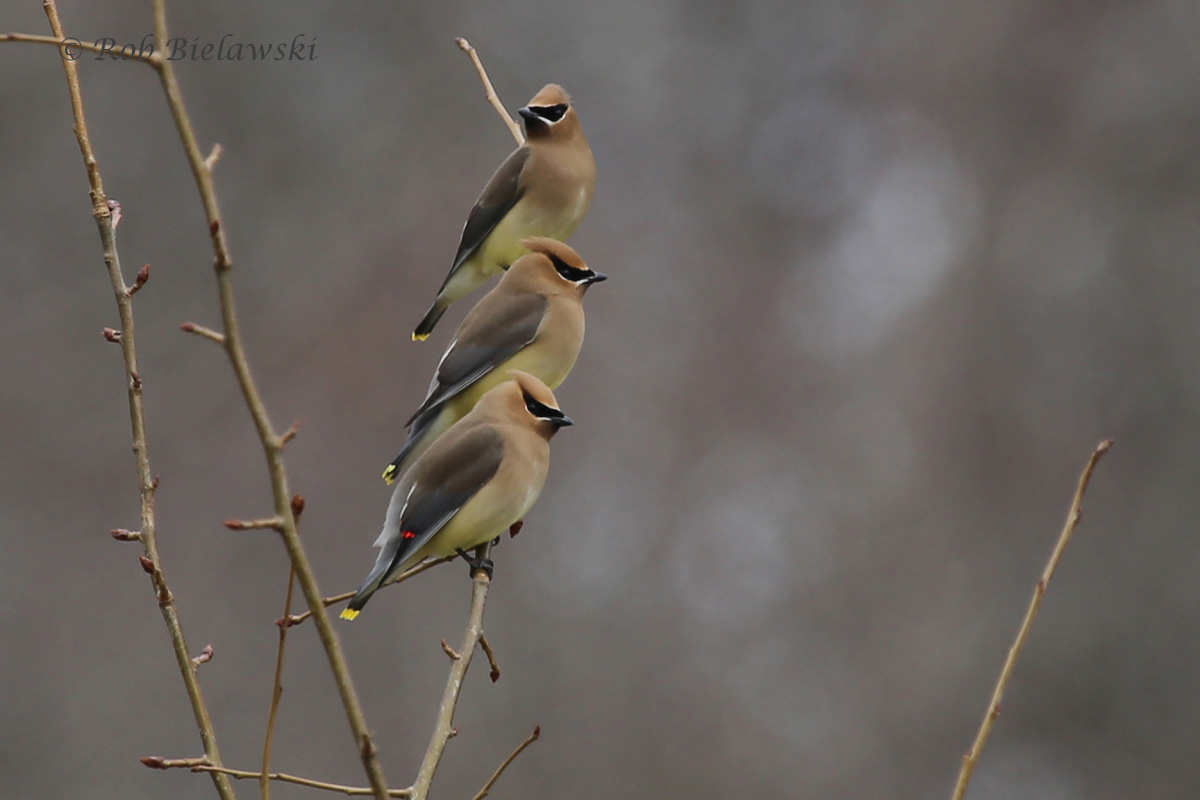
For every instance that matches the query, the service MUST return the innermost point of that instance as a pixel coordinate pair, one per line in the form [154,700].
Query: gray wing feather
[440,486]
[503,333]
[499,196]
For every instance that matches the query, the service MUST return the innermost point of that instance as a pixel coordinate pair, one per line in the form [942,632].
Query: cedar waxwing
[472,484]
[531,321]
[543,189]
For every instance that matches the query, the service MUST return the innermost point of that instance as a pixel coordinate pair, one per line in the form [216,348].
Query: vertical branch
[264,782]
[443,730]
[102,210]
[272,443]
[989,719]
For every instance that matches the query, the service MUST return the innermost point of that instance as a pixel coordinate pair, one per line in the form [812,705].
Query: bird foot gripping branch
[484,565]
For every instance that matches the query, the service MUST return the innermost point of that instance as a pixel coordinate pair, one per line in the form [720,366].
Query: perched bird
[472,484]
[543,189]
[531,321]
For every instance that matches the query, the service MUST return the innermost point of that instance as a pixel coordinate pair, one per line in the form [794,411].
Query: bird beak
[528,114]
[596,278]
[562,422]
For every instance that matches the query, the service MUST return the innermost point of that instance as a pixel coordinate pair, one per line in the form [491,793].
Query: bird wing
[443,485]
[503,331]
[499,196]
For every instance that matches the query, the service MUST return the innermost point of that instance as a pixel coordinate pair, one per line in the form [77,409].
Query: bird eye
[550,113]
[572,274]
[540,410]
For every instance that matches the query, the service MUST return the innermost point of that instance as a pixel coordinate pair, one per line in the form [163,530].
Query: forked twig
[272,443]
[989,719]
[102,210]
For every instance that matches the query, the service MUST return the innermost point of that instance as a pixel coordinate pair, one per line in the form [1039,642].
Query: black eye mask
[550,113]
[572,274]
[543,411]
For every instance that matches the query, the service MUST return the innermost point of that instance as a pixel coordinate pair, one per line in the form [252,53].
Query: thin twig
[989,719]
[147,483]
[213,156]
[264,783]
[207,333]
[74,45]
[272,443]
[296,619]
[290,433]
[490,92]
[487,787]
[273,523]
[202,765]
[139,281]
[206,655]
[444,729]
[491,657]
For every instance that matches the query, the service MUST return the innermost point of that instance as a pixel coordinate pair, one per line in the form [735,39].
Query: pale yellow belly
[486,515]
[551,368]
[503,245]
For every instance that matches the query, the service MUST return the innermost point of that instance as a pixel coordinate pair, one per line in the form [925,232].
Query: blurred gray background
[882,276]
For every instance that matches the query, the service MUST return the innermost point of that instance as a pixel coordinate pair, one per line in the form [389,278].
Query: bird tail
[425,327]
[425,428]
[393,469]
[374,581]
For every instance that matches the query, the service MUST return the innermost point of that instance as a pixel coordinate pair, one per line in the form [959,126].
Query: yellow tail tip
[420,337]
[389,474]
[349,613]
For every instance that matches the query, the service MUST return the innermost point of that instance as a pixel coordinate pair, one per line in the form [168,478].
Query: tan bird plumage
[472,484]
[543,189]
[532,321]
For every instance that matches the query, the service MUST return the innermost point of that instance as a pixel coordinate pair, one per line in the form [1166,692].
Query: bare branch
[71,49]
[200,330]
[202,765]
[271,445]
[296,619]
[158,762]
[264,782]
[989,719]
[103,211]
[274,523]
[490,92]
[487,787]
[444,730]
